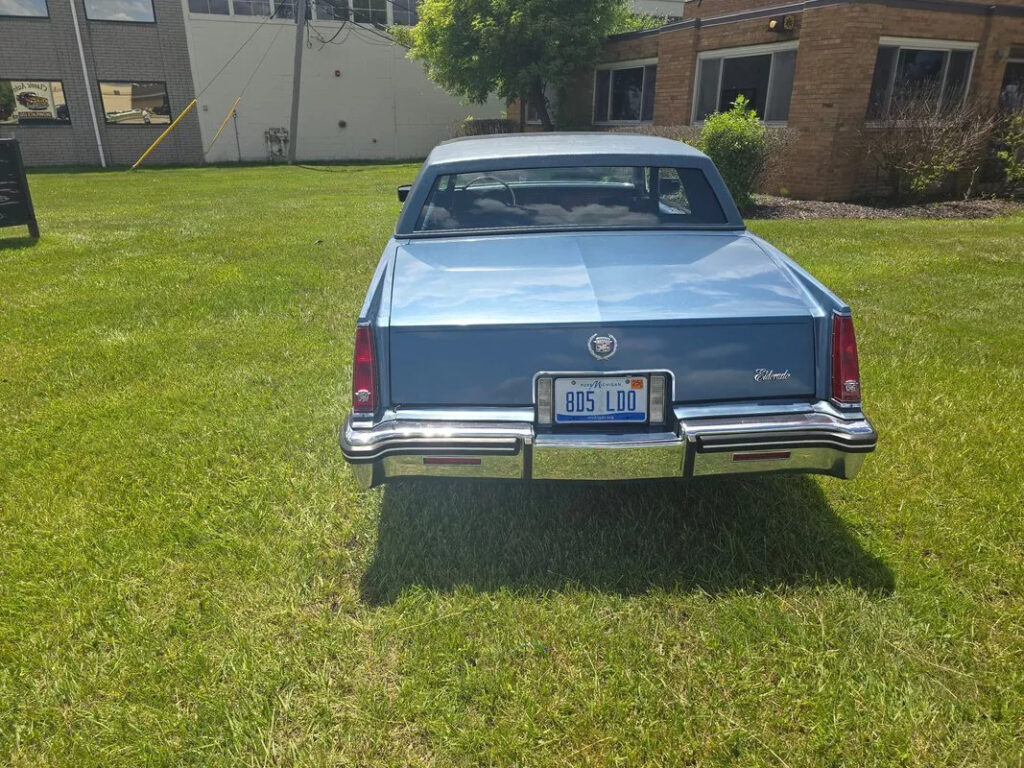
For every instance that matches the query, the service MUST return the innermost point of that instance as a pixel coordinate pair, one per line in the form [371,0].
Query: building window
[370,12]
[332,10]
[380,12]
[761,73]
[933,73]
[129,103]
[624,93]
[213,6]
[33,102]
[404,12]
[284,9]
[32,8]
[1011,94]
[120,10]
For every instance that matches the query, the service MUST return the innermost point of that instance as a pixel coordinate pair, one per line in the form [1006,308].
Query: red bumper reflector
[757,456]
[450,460]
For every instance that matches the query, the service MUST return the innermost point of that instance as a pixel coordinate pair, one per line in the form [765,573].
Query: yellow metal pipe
[163,135]
[221,129]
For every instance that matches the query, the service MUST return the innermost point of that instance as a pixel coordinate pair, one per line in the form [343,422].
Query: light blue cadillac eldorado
[592,307]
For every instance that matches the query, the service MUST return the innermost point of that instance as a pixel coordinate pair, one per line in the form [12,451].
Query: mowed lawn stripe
[189,576]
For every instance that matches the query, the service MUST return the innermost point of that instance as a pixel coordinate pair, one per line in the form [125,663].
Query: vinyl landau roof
[594,145]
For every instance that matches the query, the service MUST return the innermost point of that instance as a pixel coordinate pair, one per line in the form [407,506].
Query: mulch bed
[771,207]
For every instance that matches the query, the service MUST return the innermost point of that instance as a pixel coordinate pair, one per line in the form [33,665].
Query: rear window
[587,197]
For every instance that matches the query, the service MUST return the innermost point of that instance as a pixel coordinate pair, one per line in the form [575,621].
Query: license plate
[600,398]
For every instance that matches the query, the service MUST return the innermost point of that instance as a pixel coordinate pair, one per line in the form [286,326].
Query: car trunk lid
[473,319]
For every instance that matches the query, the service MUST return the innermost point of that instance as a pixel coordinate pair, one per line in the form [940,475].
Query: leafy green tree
[512,48]
[7,105]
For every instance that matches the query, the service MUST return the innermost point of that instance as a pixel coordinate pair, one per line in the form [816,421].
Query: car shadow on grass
[708,534]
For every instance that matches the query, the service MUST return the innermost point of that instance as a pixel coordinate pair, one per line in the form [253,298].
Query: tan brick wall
[832,83]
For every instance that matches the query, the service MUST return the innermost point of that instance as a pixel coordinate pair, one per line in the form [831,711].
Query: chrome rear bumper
[492,443]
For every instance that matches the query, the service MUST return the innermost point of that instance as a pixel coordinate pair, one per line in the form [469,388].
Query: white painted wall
[390,108]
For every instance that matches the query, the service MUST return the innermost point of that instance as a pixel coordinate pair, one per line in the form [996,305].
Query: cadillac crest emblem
[602,345]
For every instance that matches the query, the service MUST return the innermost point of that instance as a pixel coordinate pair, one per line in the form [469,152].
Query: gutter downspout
[88,87]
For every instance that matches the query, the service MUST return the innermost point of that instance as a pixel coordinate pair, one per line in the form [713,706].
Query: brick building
[823,68]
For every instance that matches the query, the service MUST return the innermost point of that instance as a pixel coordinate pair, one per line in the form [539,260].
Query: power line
[239,50]
[260,62]
[320,38]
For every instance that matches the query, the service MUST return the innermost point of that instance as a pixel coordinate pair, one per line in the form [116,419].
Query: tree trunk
[540,104]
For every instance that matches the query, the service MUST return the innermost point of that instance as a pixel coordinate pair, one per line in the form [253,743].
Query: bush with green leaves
[921,152]
[1011,152]
[736,142]
[7,104]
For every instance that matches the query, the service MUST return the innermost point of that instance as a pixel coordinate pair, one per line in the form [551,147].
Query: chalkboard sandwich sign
[15,201]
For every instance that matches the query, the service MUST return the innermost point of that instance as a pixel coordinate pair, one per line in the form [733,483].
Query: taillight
[845,371]
[364,372]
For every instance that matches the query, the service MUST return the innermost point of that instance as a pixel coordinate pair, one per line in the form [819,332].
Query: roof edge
[940,6]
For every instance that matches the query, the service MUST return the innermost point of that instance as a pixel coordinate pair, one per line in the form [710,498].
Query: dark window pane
[33,102]
[627,92]
[707,88]
[601,95]
[1011,95]
[918,76]
[135,103]
[370,12]
[783,69]
[332,10]
[35,8]
[704,204]
[957,74]
[119,10]
[404,12]
[252,7]
[878,101]
[284,9]
[647,106]
[746,76]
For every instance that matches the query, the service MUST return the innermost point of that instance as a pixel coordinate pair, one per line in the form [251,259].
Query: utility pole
[293,128]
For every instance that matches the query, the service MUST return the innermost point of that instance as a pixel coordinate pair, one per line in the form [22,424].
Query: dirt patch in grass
[772,207]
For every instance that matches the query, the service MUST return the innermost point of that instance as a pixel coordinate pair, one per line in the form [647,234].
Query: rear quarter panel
[376,312]
[826,304]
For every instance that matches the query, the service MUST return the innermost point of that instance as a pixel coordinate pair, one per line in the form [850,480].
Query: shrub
[922,153]
[481,127]
[736,141]
[1011,152]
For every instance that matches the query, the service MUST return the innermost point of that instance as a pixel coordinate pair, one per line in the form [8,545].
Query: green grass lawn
[189,576]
